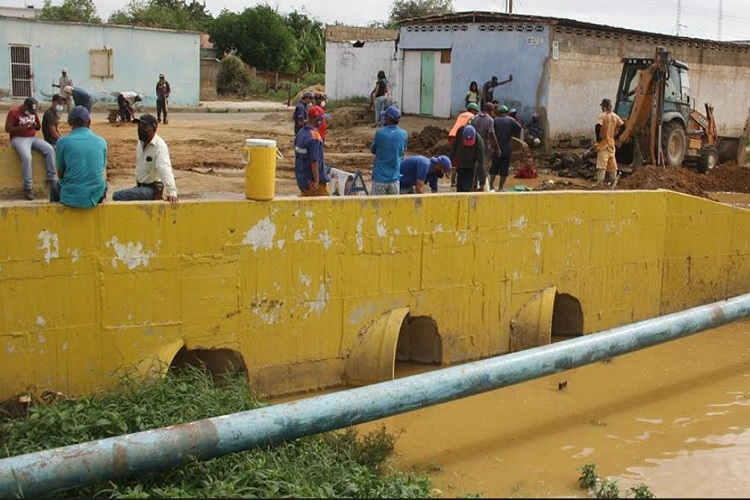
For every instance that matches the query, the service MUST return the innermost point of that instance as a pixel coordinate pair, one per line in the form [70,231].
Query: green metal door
[427,93]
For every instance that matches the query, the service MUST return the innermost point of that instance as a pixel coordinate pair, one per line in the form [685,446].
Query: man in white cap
[65,81]
[21,124]
[125,105]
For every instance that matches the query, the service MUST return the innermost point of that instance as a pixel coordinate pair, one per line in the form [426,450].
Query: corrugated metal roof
[478,17]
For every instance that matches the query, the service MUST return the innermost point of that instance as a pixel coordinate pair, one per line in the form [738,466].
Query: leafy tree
[310,37]
[406,9]
[259,36]
[82,11]
[233,78]
[168,14]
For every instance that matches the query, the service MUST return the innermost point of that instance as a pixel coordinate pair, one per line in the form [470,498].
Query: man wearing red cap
[462,119]
[309,160]
[21,124]
[468,151]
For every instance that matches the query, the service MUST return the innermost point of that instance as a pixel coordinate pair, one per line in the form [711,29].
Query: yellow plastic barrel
[260,169]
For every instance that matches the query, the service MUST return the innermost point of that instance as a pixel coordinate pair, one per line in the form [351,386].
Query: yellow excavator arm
[648,96]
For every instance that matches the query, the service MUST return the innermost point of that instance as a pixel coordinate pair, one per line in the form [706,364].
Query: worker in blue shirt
[81,164]
[417,170]
[300,111]
[388,146]
[80,97]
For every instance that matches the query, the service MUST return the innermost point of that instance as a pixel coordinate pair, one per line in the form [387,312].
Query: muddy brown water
[675,417]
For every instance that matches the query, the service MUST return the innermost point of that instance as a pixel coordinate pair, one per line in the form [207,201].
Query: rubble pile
[431,141]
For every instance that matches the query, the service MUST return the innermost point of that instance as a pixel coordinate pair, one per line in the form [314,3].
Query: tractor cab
[676,98]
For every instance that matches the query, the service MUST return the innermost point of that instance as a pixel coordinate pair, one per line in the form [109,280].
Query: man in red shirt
[21,124]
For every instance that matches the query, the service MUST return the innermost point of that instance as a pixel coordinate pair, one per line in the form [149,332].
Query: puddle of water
[740,200]
[675,416]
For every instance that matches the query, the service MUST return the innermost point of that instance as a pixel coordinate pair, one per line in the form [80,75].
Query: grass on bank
[334,464]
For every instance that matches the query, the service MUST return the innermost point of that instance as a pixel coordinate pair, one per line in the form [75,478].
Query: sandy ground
[206,151]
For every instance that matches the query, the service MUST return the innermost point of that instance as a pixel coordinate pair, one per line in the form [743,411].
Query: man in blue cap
[81,164]
[388,146]
[417,170]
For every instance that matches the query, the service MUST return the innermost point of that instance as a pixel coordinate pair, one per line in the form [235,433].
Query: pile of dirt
[431,141]
[555,185]
[572,165]
[728,177]
[315,89]
[350,116]
[678,179]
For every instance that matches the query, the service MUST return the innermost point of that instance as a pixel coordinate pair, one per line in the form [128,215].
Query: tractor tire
[674,143]
[708,160]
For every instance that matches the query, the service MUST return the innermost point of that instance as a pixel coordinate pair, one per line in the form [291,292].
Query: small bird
[562,385]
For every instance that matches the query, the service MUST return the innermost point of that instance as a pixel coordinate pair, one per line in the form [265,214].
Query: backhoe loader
[660,87]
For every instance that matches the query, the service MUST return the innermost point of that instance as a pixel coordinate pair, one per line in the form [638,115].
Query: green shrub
[233,77]
[334,464]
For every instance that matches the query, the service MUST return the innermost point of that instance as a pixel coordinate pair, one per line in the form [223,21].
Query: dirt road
[206,151]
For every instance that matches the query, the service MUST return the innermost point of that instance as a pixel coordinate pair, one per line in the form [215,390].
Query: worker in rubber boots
[608,128]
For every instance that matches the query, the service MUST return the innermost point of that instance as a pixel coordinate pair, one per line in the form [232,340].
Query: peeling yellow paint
[290,283]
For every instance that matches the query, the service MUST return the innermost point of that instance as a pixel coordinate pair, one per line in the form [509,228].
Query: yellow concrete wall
[291,283]
[11,181]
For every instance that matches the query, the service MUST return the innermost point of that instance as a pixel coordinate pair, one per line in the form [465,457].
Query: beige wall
[588,68]
[209,75]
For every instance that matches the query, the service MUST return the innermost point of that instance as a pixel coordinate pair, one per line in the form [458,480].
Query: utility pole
[510,6]
[679,16]
[721,15]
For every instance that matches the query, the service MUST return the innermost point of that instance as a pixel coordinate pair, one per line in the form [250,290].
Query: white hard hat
[65,70]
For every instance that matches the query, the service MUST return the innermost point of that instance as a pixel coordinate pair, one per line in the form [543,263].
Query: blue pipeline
[108,459]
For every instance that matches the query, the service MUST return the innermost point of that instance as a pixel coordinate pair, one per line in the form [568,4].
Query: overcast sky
[698,19]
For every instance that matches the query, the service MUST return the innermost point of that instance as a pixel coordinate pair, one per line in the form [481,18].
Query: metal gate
[21,79]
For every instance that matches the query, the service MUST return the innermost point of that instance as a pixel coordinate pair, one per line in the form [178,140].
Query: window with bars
[100,63]
[22,82]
